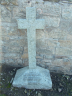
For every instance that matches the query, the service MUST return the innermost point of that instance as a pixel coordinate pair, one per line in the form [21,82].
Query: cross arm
[40,23]
[22,23]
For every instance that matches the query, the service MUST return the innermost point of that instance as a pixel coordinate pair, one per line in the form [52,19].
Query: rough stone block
[5,14]
[11,61]
[1,43]
[51,21]
[47,61]
[52,43]
[52,49]
[0,11]
[19,13]
[23,32]
[67,62]
[48,57]
[12,31]
[51,9]
[8,24]
[56,69]
[40,34]
[14,2]
[58,34]
[25,50]
[25,63]
[47,52]
[11,55]
[57,62]
[24,56]
[63,51]
[40,43]
[19,61]
[39,57]
[64,24]
[4,31]
[67,12]
[14,49]
[69,37]
[17,43]
[5,2]
[65,43]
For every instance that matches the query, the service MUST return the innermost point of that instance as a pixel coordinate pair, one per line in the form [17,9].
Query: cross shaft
[31,24]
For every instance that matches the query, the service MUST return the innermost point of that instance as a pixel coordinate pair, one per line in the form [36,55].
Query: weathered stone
[14,2]
[23,32]
[51,21]
[65,43]
[8,24]
[4,31]
[51,9]
[1,57]
[52,43]
[25,63]
[14,49]
[67,12]
[38,57]
[1,42]
[48,57]
[25,50]
[60,57]
[52,49]
[69,37]
[40,34]
[17,43]
[40,43]
[0,13]
[63,51]
[64,24]
[18,13]
[37,78]
[44,51]
[8,8]
[56,69]
[47,61]
[5,14]
[5,2]
[11,55]
[57,62]
[24,56]
[57,34]
[19,61]
[11,61]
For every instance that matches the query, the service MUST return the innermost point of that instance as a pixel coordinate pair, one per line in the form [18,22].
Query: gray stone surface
[31,24]
[38,78]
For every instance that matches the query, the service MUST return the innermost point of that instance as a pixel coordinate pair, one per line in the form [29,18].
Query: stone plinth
[38,78]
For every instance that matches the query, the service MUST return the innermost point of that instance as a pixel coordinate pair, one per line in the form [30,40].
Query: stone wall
[53,44]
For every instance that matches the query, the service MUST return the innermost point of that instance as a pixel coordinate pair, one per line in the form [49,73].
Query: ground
[62,84]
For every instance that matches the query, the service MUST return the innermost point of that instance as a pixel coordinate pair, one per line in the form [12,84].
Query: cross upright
[31,24]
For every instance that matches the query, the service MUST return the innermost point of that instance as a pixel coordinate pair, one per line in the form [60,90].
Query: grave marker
[32,77]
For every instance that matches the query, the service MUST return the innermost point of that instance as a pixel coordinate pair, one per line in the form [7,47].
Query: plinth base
[38,78]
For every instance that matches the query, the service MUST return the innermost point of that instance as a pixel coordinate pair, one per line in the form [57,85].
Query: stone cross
[32,76]
[31,24]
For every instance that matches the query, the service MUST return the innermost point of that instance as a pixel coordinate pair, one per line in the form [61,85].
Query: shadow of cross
[31,24]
